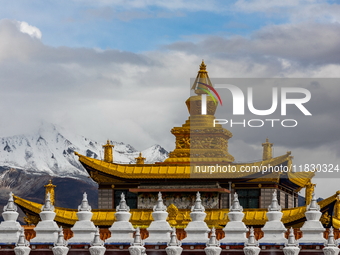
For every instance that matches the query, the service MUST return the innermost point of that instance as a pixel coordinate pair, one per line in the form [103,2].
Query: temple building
[199,146]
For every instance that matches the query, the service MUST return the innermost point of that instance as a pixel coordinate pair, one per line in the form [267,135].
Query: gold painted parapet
[173,171]
[179,217]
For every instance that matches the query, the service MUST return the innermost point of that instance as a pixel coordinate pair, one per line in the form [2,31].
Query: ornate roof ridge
[154,171]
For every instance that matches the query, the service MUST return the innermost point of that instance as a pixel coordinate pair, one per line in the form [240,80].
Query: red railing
[105,233]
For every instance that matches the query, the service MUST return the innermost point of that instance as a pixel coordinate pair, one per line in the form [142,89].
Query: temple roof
[177,217]
[180,171]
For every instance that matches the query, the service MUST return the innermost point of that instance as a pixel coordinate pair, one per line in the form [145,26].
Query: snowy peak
[51,150]
[152,154]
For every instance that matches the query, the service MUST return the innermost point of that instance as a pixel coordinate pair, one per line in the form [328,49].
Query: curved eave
[300,178]
[170,171]
[143,218]
[67,216]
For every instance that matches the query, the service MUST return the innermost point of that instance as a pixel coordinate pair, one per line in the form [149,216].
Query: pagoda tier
[198,140]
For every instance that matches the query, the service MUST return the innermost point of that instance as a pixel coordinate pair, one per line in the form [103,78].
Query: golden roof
[173,171]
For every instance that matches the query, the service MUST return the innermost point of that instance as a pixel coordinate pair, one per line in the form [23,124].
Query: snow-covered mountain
[50,151]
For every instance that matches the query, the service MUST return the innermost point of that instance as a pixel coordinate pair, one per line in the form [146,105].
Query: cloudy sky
[121,69]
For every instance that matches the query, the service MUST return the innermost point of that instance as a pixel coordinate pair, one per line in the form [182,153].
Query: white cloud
[33,31]
[189,5]
[138,98]
[294,10]
[265,6]
[303,44]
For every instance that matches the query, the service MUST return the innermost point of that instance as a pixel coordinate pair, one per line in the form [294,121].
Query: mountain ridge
[50,150]
[29,161]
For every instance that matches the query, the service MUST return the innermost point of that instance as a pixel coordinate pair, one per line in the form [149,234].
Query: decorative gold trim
[170,171]
[179,217]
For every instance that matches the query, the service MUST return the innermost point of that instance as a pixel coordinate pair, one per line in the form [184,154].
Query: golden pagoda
[198,140]
[198,145]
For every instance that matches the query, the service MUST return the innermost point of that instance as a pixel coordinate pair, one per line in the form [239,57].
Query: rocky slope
[28,161]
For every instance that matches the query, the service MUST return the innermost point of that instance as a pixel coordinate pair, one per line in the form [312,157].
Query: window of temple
[105,198]
[224,200]
[249,198]
[286,200]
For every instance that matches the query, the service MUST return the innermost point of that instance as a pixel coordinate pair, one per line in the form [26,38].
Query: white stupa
[84,229]
[235,230]
[47,229]
[10,229]
[274,230]
[312,229]
[159,229]
[121,230]
[197,230]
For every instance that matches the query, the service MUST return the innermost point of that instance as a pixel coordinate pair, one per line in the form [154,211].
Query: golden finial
[309,190]
[203,67]
[108,155]
[49,189]
[140,159]
[201,78]
[267,150]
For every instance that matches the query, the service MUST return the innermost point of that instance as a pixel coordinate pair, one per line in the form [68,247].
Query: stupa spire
[251,239]
[84,206]
[137,241]
[331,241]
[291,238]
[198,207]
[48,205]
[202,77]
[173,240]
[292,246]
[122,207]
[313,206]
[236,207]
[137,246]
[331,245]
[22,242]
[61,241]
[10,207]
[160,205]
[97,241]
[213,241]
[274,206]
